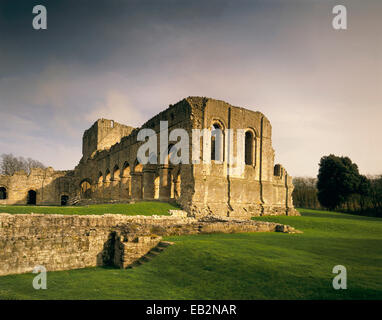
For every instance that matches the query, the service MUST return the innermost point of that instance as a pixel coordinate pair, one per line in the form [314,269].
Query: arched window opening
[116,173]
[86,189]
[3,193]
[100,179]
[217,142]
[126,178]
[64,200]
[107,176]
[249,148]
[171,154]
[126,170]
[278,170]
[32,197]
[138,167]
[137,188]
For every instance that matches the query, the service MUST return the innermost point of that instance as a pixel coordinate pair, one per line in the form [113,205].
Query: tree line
[339,187]
[305,193]
[9,164]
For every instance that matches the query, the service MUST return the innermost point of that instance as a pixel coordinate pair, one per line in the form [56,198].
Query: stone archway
[32,197]
[126,181]
[3,193]
[137,188]
[64,200]
[86,191]
[115,183]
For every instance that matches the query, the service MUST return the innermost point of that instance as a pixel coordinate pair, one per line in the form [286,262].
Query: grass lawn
[236,266]
[146,208]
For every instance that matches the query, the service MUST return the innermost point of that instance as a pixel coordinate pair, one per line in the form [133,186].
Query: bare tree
[31,163]
[10,164]
[305,193]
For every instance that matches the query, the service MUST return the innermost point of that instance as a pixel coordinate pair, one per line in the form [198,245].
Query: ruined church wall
[204,188]
[255,191]
[102,135]
[124,185]
[48,184]
[109,164]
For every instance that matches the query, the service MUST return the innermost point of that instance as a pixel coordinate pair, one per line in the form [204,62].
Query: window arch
[217,142]
[137,187]
[138,167]
[100,179]
[3,193]
[126,170]
[126,178]
[249,147]
[86,189]
[107,176]
[171,153]
[116,173]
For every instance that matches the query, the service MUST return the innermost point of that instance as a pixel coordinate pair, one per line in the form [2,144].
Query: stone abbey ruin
[213,198]
[109,171]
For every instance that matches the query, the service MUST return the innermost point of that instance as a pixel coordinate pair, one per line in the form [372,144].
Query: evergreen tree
[338,179]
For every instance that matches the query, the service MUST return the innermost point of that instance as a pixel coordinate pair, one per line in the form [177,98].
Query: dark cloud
[130,59]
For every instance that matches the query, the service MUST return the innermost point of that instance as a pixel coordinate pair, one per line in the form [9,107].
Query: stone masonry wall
[110,172]
[48,184]
[63,242]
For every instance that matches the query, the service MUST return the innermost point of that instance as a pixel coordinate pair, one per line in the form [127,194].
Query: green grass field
[146,208]
[236,266]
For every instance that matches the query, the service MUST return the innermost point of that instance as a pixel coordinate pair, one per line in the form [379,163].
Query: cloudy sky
[127,60]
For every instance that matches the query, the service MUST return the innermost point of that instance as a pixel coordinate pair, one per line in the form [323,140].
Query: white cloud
[118,107]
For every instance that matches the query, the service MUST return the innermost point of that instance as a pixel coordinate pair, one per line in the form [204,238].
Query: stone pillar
[148,183]
[136,185]
[106,190]
[165,182]
[114,192]
[177,188]
[126,187]
[100,190]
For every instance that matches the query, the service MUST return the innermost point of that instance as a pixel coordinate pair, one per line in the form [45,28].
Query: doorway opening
[32,196]
[64,200]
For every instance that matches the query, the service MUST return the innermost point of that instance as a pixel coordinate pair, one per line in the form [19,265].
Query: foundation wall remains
[63,242]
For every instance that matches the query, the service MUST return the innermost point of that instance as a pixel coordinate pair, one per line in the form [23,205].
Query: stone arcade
[109,171]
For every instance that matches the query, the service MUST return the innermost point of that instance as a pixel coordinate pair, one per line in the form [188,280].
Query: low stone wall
[62,242]
[129,249]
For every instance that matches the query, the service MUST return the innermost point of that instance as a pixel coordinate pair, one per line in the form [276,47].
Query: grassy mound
[236,266]
[146,208]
